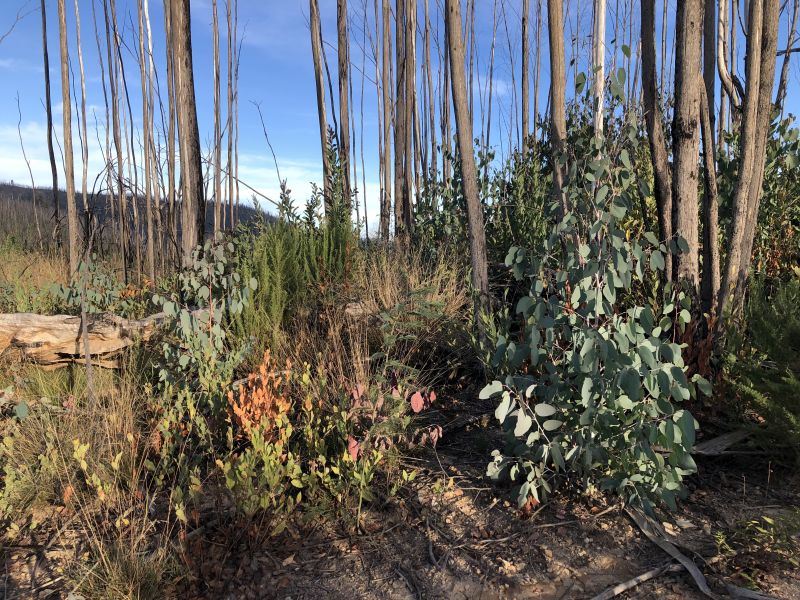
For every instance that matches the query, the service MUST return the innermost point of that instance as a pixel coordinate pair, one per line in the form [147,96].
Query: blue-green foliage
[595,382]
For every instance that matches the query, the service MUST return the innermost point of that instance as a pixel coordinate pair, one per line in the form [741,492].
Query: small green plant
[103,293]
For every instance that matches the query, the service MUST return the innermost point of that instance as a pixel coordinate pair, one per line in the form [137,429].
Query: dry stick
[651,534]
[632,583]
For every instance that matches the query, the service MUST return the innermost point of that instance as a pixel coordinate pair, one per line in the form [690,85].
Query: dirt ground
[451,535]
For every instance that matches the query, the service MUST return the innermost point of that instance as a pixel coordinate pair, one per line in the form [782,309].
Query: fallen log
[55,340]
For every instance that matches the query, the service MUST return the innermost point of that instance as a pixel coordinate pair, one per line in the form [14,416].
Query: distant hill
[20,207]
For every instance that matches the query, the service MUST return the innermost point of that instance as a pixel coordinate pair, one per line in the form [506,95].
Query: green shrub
[763,366]
[594,384]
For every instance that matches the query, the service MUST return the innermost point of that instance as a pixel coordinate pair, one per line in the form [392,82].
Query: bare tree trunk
[113,77]
[193,206]
[446,138]
[412,123]
[147,129]
[477,239]
[316,44]
[157,232]
[172,107]
[525,71]
[780,96]
[756,107]
[537,71]
[229,125]
[83,136]
[709,287]
[655,133]
[401,132]
[431,110]
[386,50]
[686,137]
[344,105]
[599,63]
[491,88]
[664,44]
[49,110]
[72,214]
[558,119]
[724,75]
[217,124]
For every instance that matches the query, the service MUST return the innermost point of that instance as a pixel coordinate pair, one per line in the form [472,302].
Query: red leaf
[352,447]
[432,396]
[417,402]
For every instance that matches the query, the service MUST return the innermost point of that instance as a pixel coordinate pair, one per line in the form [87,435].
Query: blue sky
[275,72]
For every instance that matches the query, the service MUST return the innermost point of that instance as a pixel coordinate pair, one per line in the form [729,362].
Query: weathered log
[56,340]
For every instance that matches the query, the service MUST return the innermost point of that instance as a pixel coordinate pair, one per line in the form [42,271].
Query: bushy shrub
[594,386]
[762,366]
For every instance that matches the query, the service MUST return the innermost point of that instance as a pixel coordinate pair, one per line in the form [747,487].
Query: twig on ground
[651,534]
[410,584]
[632,583]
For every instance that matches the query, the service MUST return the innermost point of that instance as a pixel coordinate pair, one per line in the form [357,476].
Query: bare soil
[452,534]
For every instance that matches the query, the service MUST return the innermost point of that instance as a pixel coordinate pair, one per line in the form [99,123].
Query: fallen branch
[651,533]
[632,583]
[55,340]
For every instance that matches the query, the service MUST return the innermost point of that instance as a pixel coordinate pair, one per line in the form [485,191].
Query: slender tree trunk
[491,88]
[724,75]
[157,231]
[537,71]
[113,78]
[655,133]
[664,44]
[431,105]
[49,110]
[446,137]
[386,50]
[525,71]
[477,240]
[412,123]
[83,128]
[217,124]
[400,130]
[171,107]
[756,107]
[780,96]
[558,119]
[147,129]
[599,63]
[709,287]
[229,126]
[72,213]
[686,137]
[316,44]
[344,104]
[193,207]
